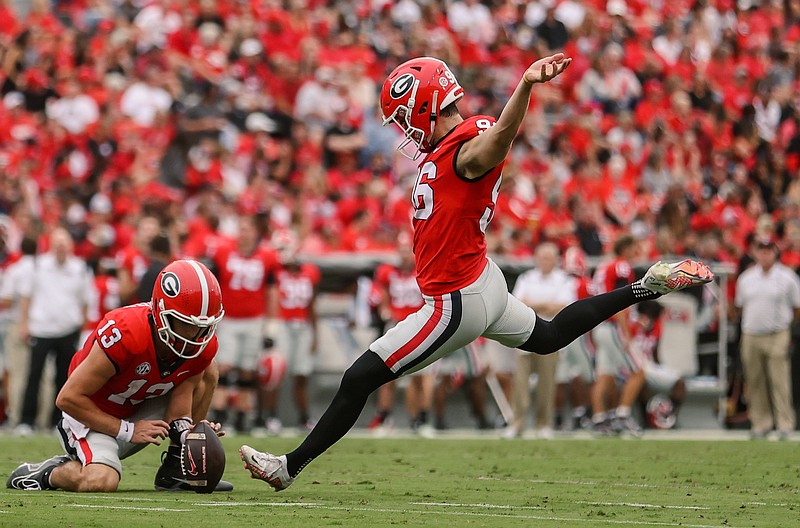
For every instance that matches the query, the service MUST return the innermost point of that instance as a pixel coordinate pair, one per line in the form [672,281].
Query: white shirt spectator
[610,81]
[556,287]
[10,285]
[619,137]
[318,100]
[472,19]
[153,23]
[767,299]
[768,117]
[406,12]
[571,14]
[668,48]
[536,12]
[143,102]
[73,113]
[59,294]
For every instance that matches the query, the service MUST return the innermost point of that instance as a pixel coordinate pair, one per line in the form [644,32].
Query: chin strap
[434,112]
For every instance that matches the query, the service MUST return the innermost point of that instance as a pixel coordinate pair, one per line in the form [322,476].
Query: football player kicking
[145,375]
[465,293]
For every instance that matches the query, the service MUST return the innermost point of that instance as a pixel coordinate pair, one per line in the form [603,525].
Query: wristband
[125,433]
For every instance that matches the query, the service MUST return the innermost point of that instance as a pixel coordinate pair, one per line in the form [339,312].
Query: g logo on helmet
[170,285]
[402,85]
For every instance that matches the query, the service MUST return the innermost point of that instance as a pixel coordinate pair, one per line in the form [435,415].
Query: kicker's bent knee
[98,479]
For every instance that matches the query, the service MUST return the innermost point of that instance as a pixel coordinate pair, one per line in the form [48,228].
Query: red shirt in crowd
[613,274]
[107,289]
[244,279]
[400,289]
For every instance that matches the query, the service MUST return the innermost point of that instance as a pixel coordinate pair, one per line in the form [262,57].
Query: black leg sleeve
[359,381]
[581,316]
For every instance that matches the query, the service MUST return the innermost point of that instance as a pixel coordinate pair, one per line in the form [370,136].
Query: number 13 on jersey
[423,196]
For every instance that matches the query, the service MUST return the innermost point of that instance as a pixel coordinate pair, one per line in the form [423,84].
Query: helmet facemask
[413,135]
[184,347]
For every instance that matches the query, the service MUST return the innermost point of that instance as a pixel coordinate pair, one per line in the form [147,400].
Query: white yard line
[642,505]
[504,516]
[134,508]
[478,505]
[427,512]
[267,504]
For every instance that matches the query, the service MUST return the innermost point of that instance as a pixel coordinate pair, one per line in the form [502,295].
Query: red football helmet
[661,412]
[412,97]
[188,292]
[271,370]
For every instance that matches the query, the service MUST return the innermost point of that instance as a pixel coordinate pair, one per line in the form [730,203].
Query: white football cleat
[663,277]
[263,466]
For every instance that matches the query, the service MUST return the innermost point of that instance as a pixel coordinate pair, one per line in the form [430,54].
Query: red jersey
[404,295]
[296,292]
[126,336]
[243,280]
[451,214]
[612,275]
[134,261]
[584,287]
[107,290]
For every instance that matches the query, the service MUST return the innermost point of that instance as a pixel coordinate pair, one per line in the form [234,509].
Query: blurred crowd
[677,121]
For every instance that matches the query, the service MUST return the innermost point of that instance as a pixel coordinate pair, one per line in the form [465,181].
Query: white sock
[623,411]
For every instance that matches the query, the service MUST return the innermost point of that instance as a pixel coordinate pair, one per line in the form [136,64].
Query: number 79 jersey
[451,214]
[126,336]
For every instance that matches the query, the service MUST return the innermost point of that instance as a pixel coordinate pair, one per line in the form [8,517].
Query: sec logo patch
[143,369]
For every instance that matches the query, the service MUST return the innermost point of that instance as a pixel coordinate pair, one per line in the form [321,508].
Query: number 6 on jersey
[422,197]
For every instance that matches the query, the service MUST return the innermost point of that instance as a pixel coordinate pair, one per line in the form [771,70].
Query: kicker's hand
[546,68]
[150,432]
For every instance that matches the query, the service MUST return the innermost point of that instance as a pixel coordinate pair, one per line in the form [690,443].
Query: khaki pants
[545,368]
[767,372]
[17,358]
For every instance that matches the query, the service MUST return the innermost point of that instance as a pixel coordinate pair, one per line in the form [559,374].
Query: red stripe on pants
[423,334]
[87,451]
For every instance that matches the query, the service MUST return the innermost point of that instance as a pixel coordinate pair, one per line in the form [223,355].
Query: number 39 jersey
[404,295]
[451,214]
[296,291]
[125,335]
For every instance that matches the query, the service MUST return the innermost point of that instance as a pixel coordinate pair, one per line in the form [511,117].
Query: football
[202,458]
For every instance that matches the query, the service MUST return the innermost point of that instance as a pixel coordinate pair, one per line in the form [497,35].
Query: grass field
[478,482]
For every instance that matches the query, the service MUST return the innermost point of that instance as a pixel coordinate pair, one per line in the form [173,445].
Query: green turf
[416,482]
